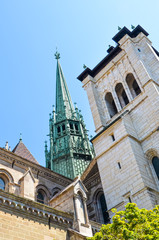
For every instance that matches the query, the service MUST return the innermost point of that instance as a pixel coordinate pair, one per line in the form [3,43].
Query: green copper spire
[64,106]
[70,151]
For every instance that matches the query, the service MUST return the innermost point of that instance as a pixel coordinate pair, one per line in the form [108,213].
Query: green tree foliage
[131,224]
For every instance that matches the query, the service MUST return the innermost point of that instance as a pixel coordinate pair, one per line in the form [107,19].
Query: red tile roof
[22,151]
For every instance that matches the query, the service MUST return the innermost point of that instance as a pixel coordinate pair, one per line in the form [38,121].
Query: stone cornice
[146,188]
[33,210]
[93,181]
[37,169]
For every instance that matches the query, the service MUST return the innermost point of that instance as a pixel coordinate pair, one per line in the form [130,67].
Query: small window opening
[63,128]
[139,50]
[40,197]
[58,130]
[119,165]
[129,198]
[76,127]
[113,138]
[71,127]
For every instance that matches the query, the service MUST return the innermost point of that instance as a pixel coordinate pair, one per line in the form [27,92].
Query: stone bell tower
[70,151]
[123,92]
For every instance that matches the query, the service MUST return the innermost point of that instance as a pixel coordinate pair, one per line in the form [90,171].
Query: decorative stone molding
[151,153]
[7,174]
[33,209]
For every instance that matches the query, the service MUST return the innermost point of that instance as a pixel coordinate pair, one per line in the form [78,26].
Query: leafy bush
[131,224]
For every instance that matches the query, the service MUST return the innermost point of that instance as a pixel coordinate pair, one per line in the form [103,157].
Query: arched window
[104,209]
[101,207]
[110,104]
[133,85]
[2,184]
[5,179]
[40,196]
[155,162]
[123,99]
[55,191]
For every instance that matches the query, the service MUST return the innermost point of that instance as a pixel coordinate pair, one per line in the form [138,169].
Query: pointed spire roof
[64,106]
[22,151]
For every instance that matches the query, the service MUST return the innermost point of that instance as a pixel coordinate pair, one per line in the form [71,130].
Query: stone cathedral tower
[123,92]
[70,151]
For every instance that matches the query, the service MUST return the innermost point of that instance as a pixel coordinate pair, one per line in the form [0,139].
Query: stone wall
[14,227]
[24,219]
[127,141]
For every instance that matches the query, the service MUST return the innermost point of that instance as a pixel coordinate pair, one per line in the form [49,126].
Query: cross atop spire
[57,55]
[20,139]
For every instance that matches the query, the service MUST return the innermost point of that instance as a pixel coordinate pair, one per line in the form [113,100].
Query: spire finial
[20,139]
[53,108]
[57,55]
[132,27]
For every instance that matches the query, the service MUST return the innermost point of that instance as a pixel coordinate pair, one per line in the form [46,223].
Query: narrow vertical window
[119,165]
[76,128]
[71,127]
[113,138]
[63,128]
[58,130]
[129,198]
[104,208]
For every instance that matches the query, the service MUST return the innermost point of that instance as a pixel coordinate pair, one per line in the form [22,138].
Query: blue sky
[30,32]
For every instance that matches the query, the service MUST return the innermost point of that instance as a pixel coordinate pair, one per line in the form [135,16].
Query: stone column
[85,210]
[75,204]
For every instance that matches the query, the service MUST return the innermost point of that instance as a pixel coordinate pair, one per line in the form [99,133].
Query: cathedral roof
[22,151]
